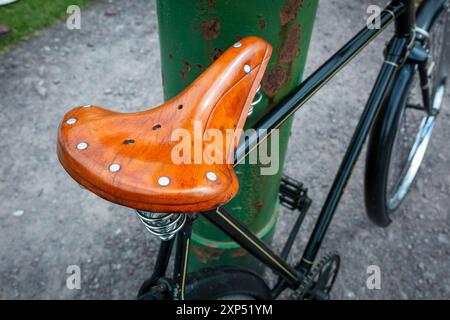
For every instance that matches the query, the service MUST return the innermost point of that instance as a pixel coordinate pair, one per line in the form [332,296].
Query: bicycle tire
[381,203]
[226,283]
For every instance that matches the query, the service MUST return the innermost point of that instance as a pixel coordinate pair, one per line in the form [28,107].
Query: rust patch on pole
[274,80]
[289,51]
[239,252]
[289,11]
[211,29]
[290,36]
[216,54]
[204,255]
[186,69]
[262,24]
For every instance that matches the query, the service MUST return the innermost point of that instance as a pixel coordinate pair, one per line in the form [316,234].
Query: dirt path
[49,223]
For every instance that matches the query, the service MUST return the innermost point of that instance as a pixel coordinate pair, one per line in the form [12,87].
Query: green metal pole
[193,34]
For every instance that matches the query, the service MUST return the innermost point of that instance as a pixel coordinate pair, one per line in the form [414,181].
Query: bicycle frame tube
[239,233]
[181,259]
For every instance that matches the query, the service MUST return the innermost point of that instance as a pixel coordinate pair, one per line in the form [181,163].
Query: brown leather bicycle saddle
[127,158]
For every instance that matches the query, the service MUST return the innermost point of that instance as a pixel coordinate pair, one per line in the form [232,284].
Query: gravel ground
[49,223]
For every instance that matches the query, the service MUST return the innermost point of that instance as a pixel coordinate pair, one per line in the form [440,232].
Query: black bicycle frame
[403,13]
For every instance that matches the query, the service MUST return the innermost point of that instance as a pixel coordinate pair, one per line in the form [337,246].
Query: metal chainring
[317,284]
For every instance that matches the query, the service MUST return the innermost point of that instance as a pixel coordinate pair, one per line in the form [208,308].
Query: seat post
[405,23]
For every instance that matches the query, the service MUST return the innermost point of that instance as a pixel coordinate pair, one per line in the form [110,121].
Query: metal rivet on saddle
[237,45]
[114,167]
[71,120]
[163,181]
[82,146]
[247,69]
[211,176]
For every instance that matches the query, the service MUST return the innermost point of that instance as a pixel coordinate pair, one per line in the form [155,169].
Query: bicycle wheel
[226,283]
[403,129]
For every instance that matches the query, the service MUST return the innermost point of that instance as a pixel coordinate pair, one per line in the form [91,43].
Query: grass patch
[27,17]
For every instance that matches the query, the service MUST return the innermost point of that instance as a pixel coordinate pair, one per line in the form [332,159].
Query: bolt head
[237,44]
[247,69]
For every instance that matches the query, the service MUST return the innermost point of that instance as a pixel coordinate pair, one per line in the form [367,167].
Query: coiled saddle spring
[256,100]
[163,225]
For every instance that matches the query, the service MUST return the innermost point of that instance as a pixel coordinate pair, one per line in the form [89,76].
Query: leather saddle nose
[128,158]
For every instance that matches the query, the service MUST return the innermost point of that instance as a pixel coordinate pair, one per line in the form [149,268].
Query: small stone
[56,82]
[421,216]
[108,91]
[18,213]
[404,295]
[421,266]
[40,88]
[349,294]
[41,71]
[116,267]
[429,276]
[443,238]
[90,45]
[111,12]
